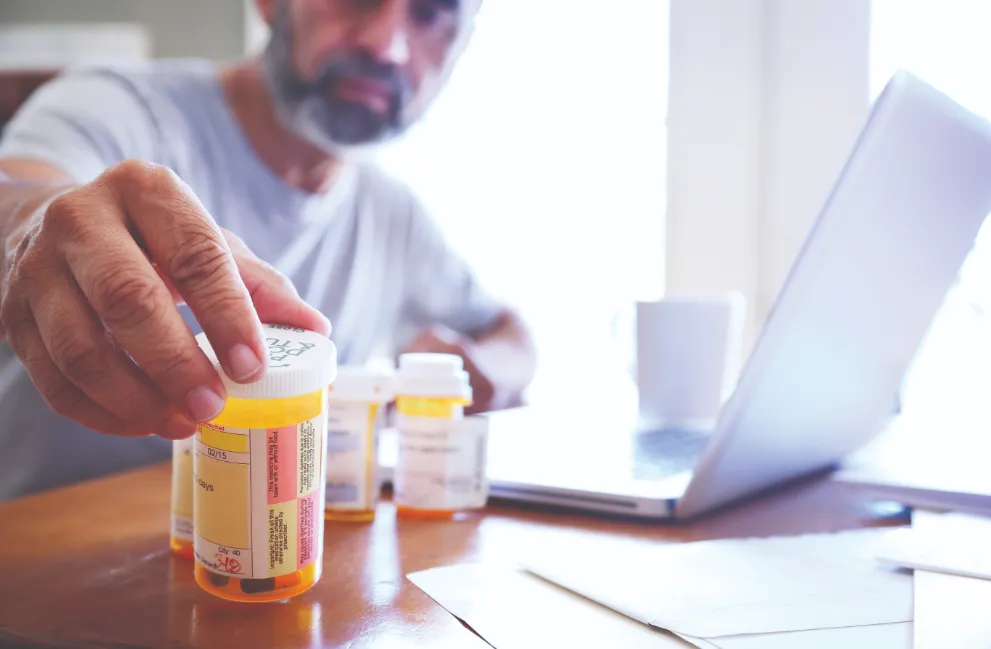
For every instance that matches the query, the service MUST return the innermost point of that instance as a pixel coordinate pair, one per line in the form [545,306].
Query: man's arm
[501,360]
[25,187]
[453,313]
[98,244]
[88,284]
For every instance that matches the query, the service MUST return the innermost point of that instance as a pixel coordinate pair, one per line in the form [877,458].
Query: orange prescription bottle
[259,473]
[354,420]
[181,537]
[441,463]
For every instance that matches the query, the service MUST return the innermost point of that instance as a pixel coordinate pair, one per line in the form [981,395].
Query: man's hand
[441,340]
[88,294]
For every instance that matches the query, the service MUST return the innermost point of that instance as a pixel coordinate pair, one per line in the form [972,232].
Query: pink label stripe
[280,448]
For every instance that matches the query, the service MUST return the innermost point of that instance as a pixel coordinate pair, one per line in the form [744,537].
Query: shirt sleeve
[441,286]
[83,122]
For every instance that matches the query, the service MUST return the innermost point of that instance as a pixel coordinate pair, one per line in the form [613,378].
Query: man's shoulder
[89,117]
[157,78]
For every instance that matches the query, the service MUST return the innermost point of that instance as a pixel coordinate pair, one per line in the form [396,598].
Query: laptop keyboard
[663,453]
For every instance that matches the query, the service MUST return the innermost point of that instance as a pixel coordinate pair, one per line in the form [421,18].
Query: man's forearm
[506,354]
[21,203]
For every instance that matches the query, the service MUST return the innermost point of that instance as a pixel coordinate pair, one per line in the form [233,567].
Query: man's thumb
[275,298]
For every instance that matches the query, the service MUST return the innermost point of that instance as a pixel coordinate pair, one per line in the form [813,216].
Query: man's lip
[373,93]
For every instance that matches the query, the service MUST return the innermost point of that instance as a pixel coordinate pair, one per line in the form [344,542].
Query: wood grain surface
[88,566]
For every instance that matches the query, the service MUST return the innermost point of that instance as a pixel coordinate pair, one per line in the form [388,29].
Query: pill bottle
[440,466]
[259,474]
[354,420]
[181,537]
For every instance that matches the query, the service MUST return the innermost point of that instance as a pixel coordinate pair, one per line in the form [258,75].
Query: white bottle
[355,405]
[440,468]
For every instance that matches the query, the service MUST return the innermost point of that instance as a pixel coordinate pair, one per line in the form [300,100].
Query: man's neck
[297,162]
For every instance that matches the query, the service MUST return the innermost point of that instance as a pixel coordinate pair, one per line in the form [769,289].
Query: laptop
[823,376]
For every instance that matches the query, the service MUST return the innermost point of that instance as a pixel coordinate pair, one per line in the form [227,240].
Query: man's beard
[312,110]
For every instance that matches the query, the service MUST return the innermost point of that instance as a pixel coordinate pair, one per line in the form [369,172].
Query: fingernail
[243,362]
[204,404]
[177,428]
[326,324]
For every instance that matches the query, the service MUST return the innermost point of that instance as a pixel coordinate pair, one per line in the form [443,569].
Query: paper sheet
[951,611]
[513,610]
[743,586]
[880,636]
[957,544]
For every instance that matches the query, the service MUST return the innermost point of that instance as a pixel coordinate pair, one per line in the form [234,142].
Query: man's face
[344,73]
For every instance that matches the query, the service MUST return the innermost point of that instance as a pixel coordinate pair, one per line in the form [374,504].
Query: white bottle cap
[299,362]
[432,375]
[362,383]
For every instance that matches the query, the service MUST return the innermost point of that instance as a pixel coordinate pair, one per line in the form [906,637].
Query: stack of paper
[512,609]
[935,483]
[805,591]
[954,543]
[950,555]
[904,465]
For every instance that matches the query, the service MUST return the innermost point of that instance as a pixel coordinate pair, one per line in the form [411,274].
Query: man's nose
[383,34]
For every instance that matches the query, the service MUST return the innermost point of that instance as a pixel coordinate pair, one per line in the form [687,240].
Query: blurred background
[586,154]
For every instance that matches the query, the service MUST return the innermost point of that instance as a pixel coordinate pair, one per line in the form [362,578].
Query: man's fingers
[128,295]
[422,345]
[178,299]
[59,393]
[441,340]
[275,299]
[189,248]
[89,358]
[436,340]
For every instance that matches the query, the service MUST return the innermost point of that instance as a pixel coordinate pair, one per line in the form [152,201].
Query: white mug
[688,355]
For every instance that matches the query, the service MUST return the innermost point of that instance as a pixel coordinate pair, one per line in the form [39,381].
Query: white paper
[511,609]
[514,610]
[951,611]
[880,636]
[903,465]
[958,544]
[743,586]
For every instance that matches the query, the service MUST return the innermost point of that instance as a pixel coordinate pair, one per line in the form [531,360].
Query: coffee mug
[688,355]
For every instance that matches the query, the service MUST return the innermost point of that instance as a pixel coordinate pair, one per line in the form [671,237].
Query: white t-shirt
[365,253]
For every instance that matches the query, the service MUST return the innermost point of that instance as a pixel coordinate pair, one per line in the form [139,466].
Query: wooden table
[88,566]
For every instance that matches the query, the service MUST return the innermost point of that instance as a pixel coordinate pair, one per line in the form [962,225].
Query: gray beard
[301,106]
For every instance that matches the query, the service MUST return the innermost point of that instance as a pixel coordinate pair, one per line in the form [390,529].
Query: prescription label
[352,456]
[256,490]
[441,464]
[182,489]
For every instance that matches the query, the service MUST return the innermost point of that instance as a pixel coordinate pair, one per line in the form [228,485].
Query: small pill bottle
[440,467]
[181,537]
[259,474]
[355,411]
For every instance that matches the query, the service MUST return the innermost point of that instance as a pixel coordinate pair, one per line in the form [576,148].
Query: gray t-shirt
[365,253]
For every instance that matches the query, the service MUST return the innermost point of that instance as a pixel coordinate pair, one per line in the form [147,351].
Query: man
[126,193]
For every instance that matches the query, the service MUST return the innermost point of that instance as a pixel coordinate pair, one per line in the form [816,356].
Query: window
[543,161]
[946,43]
